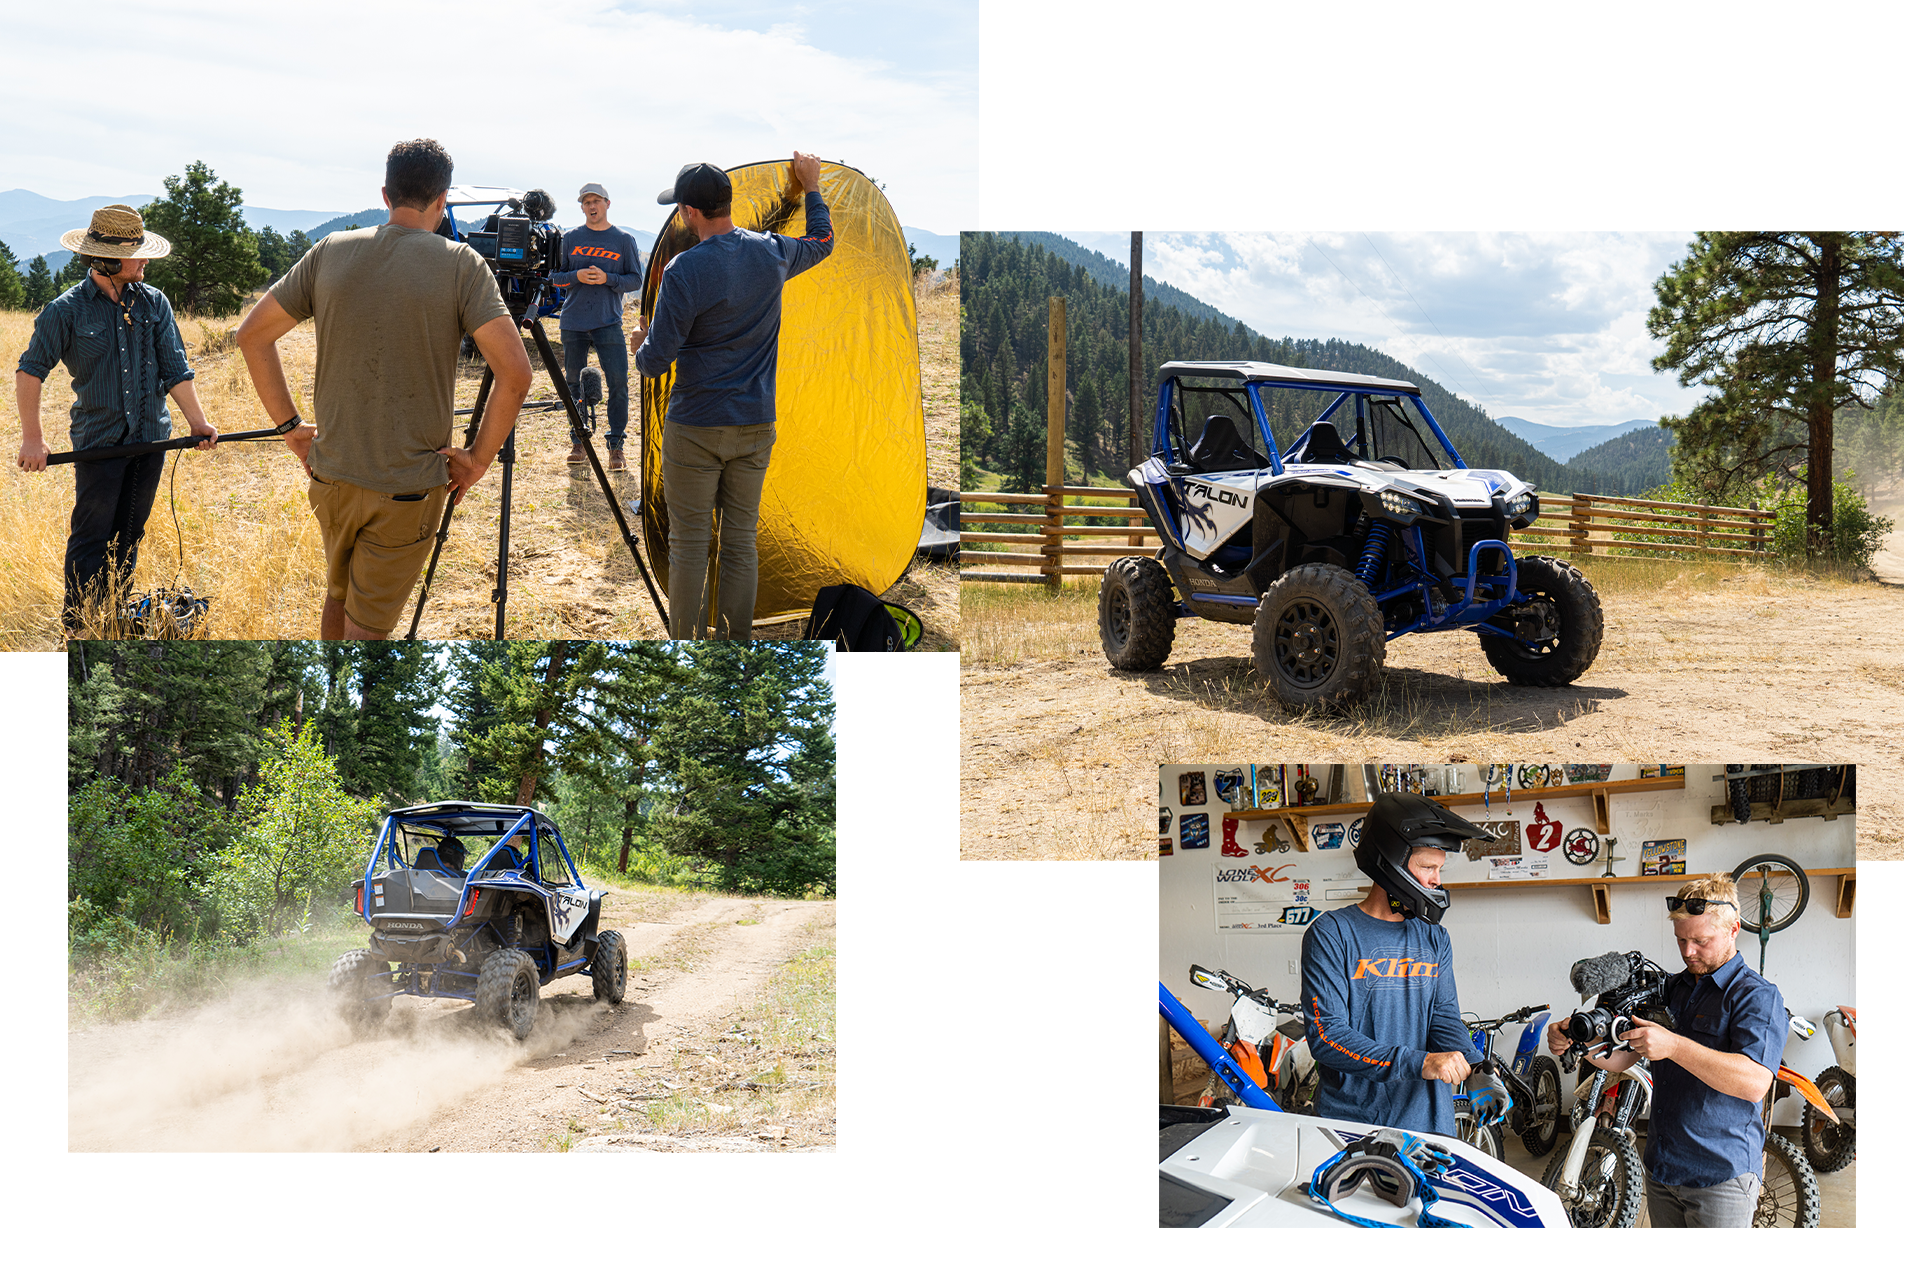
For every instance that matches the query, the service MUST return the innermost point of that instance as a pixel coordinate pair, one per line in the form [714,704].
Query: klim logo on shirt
[1388,968]
[593,251]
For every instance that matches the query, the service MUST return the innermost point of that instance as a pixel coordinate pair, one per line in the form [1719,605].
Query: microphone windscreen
[1600,973]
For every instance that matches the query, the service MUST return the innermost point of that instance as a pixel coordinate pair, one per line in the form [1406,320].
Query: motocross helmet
[1397,824]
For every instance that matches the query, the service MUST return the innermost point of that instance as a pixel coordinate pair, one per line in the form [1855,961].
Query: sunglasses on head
[1695,906]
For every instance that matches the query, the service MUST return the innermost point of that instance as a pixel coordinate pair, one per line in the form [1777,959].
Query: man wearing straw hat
[120,342]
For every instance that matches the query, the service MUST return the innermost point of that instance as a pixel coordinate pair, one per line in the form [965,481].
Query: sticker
[1353,833]
[1193,789]
[1166,819]
[1299,915]
[1227,784]
[1230,847]
[1166,846]
[1663,858]
[1582,846]
[1193,830]
[1328,835]
[1270,786]
[1273,841]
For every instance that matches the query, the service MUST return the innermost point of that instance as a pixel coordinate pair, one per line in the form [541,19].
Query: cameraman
[603,265]
[1376,984]
[1704,1134]
[389,305]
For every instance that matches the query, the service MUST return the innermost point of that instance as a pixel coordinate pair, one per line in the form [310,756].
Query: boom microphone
[1601,973]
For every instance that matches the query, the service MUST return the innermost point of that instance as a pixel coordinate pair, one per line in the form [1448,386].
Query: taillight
[360,898]
[473,900]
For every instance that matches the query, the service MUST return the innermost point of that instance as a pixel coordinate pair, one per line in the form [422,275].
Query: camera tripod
[581,436]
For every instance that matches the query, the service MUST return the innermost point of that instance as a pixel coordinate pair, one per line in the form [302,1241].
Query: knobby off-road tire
[509,993]
[1612,1182]
[1136,613]
[1789,1193]
[1318,638]
[1575,624]
[1489,1138]
[1829,1145]
[610,967]
[1739,793]
[357,985]
[1538,1129]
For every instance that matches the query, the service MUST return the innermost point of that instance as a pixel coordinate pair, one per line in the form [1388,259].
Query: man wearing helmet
[1376,984]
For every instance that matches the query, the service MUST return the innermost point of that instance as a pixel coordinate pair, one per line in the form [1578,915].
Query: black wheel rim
[520,1002]
[1119,617]
[1549,627]
[1306,644]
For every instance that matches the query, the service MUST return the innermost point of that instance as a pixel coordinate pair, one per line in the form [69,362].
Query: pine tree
[39,284]
[13,290]
[1787,327]
[215,261]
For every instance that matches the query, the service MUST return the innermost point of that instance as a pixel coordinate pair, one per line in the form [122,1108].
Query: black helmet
[1395,826]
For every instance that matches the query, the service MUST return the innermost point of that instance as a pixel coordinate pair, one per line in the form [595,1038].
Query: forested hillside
[1005,283]
[223,789]
[1639,458]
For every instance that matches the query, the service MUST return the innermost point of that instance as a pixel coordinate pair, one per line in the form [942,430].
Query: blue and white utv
[1366,527]
[476,902]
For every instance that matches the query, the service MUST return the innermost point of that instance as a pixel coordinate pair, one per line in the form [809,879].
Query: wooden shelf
[1603,886]
[1298,816]
[1779,811]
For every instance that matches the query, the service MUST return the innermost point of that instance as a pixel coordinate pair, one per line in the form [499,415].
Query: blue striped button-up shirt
[124,357]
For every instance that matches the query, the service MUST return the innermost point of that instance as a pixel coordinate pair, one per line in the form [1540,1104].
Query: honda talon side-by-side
[1366,527]
[474,902]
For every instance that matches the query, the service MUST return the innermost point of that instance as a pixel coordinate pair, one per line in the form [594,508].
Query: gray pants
[1724,1204]
[704,469]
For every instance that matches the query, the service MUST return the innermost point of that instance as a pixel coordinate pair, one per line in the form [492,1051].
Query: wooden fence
[1626,526]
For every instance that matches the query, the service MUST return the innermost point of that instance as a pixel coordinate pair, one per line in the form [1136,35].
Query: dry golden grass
[247,539]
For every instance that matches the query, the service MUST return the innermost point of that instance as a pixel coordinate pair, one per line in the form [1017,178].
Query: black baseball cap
[700,185]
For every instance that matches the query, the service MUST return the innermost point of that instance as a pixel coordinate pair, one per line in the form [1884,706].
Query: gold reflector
[846,492]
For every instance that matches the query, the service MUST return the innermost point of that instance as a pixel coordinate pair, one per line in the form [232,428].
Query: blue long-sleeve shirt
[124,357]
[716,320]
[594,306]
[1377,998]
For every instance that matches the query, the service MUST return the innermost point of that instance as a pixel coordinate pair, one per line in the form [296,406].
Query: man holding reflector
[118,338]
[716,323]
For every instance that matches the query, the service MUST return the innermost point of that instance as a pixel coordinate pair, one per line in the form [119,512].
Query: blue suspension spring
[1373,556]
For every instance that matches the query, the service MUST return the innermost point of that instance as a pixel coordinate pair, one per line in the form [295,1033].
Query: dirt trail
[1058,759]
[265,1071]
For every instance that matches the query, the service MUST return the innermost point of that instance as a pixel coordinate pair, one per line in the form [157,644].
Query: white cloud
[300,110]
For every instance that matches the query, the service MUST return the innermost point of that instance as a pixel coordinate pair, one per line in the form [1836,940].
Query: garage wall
[1514,944]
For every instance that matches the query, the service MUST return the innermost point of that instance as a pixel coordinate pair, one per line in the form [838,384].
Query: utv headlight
[1524,510]
[1401,504]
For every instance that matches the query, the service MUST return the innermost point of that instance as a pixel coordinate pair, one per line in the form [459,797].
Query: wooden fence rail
[1630,526]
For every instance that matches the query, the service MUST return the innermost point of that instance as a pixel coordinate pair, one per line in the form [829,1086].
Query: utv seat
[1324,445]
[1220,448]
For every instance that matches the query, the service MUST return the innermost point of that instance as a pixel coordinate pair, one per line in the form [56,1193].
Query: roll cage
[502,865]
[1189,436]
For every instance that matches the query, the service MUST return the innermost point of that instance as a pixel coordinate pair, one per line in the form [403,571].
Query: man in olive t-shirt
[389,305]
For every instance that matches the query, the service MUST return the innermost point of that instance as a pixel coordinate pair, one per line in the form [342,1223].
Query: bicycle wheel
[1770,874]
[1789,1193]
[1611,1183]
[1538,1129]
[1829,1146]
[1488,1138]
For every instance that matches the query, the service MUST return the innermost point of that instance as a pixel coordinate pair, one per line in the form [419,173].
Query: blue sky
[1548,327]
[299,111]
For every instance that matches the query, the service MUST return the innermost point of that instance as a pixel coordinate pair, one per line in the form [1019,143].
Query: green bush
[1858,535]
[145,859]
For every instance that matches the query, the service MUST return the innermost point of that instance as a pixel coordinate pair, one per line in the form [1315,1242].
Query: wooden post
[1582,514]
[1759,543]
[1056,435]
[1701,537]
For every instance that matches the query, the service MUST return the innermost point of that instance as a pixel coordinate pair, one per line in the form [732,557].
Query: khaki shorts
[376,543]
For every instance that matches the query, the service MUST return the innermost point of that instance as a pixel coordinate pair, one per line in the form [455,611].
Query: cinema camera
[522,246]
[1625,986]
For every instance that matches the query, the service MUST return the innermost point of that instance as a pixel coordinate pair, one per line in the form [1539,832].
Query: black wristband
[290,424]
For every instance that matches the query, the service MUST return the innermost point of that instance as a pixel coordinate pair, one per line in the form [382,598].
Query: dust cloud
[260,1071]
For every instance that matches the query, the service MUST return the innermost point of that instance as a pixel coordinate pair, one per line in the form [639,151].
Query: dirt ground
[1058,758]
[276,1071]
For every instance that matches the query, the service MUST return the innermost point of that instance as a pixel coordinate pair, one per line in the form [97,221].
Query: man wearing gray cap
[716,324]
[602,265]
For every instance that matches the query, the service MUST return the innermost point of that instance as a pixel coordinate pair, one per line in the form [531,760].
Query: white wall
[1513,945]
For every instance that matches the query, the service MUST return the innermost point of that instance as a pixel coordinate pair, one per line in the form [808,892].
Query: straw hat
[117,232]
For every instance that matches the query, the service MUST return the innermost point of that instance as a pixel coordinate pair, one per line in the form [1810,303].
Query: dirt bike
[1266,1039]
[1789,1193]
[1829,1142]
[1599,1175]
[1498,1093]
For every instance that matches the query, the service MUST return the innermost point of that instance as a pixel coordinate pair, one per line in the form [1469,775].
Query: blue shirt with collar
[124,357]
[1696,1135]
